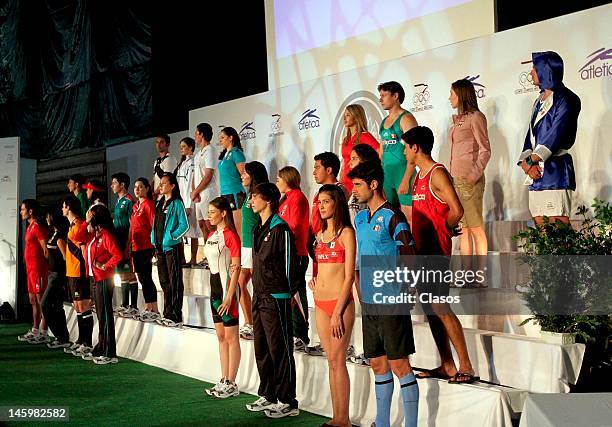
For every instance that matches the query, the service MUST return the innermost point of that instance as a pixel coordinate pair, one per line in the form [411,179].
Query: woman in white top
[223,253]
[184,175]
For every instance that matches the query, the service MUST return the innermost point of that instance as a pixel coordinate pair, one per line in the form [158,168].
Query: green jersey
[123,212]
[84,201]
[391,140]
[249,221]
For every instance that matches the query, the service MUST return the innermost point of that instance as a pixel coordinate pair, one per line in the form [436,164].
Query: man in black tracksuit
[275,271]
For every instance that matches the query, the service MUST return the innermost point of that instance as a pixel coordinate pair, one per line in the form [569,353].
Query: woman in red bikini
[332,287]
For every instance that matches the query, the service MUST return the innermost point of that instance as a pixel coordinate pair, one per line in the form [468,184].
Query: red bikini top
[330,252]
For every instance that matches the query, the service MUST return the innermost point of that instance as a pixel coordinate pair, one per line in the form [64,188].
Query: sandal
[433,373]
[467,378]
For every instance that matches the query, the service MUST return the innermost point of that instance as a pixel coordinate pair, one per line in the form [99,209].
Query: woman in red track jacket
[141,224]
[294,209]
[102,254]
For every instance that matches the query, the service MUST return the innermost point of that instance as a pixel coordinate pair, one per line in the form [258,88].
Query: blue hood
[549,67]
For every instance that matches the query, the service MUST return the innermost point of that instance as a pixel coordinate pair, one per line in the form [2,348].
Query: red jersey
[331,252]
[366,138]
[102,249]
[141,223]
[294,210]
[34,254]
[429,215]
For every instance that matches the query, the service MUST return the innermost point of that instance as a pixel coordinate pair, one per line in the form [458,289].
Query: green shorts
[394,173]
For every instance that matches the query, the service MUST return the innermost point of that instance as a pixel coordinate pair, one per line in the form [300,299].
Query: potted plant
[569,290]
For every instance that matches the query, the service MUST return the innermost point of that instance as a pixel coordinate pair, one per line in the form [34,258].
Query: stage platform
[511,365]
[534,365]
[194,352]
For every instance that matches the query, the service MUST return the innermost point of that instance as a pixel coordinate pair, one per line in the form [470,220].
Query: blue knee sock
[410,397]
[384,392]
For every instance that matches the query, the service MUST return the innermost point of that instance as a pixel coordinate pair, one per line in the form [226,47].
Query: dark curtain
[74,73]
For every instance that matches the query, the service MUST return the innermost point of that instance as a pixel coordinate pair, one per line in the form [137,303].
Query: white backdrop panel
[277,129]
[136,159]
[9,212]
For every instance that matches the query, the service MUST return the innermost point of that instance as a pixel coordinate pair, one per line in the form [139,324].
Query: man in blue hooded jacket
[552,132]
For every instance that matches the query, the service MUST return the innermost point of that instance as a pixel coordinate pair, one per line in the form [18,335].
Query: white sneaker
[172,323]
[219,386]
[148,316]
[154,317]
[246,332]
[350,352]
[39,339]
[27,336]
[126,312]
[316,350]
[71,348]
[260,404]
[298,345]
[360,359]
[103,360]
[228,390]
[281,410]
[88,356]
[83,349]
[57,344]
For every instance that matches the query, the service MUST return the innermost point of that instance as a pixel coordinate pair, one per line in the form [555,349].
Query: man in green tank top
[399,175]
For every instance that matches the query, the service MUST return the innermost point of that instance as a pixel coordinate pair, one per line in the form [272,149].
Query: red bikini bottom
[329,305]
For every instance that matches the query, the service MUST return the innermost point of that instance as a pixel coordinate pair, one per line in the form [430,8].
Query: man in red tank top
[436,211]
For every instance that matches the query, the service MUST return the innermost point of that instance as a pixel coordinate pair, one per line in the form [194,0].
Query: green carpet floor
[125,394]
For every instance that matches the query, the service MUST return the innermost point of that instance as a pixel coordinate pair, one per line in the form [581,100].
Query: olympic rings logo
[421,98]
[526,80]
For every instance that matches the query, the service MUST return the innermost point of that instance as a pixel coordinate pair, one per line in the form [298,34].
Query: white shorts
[550,203]
[202,206]
[194,231]
[246,257]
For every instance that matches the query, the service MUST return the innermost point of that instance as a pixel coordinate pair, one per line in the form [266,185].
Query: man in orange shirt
[77,280]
